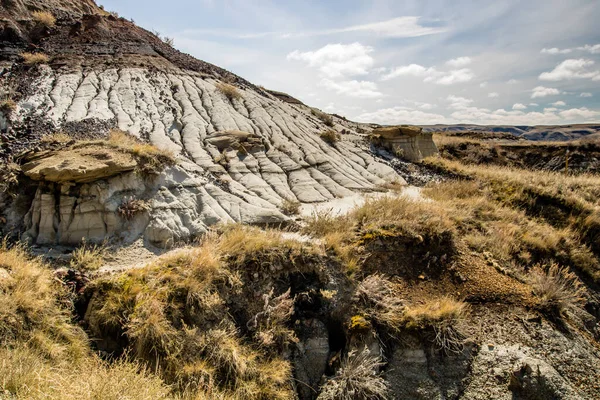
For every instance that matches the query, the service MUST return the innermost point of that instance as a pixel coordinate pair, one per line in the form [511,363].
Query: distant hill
[540,132]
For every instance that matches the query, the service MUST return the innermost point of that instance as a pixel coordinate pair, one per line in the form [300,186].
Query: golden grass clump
[131,207]
[44,18]
[175,315]
[9,177]
[291,207]
[87,257]
[358,378]
[229,91]
[324,117]
[330,136]
[34,58]
[7,107]
[57,138]
[557,288]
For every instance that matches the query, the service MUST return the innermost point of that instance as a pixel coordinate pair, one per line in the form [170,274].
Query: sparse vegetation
[57,138]
[132,207]
[324,117]
[87,257]
[229,91]
[44,18]
[7,107]
[330,136]
[9,177]
[32,59]
[291,207]
[557,288]
[358,378]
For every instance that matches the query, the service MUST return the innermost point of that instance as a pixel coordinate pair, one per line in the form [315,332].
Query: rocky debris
[232,140]
[311,357]
[284,97]
[79,165]
[408,142]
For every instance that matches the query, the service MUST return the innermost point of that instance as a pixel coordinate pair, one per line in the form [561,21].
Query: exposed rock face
[253,152]
[408,142]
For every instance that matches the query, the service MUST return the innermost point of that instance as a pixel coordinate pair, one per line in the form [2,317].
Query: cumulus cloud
[493,95]
[594,49]
[541,91]
[533,104]
[402,115]
[459,62]
[431,74]
[559,103]
[519,106]
[571,69]
[353,88]
[483,84]
[576,113]
[337,60]
[555,51]
[458,103]
[585,94]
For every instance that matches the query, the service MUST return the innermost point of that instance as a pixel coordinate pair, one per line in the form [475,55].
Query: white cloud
[458,103]
[402,115]
[519,106]
[571,69]
[459,62]
[542,91]
[533,104]
[559,103]
[431,74]
[337,60]
[401,27]
[576,113]
[555,51]
[359,89]
[493,95]
[512,82]
[595,49]
[550,109]
[585,94]
[483,84]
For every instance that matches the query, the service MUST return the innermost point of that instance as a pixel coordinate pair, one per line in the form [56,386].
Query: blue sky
[417,61]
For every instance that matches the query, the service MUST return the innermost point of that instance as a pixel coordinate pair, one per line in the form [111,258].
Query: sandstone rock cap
[390,132]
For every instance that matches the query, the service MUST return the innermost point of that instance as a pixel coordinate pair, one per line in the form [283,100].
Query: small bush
[132,207]
[325,118]
[151,159]
[87,258]
[169,41]
[291,207]
[9,176]
[34,58]
[229,91]
[7,107]
[44,18]
[557,288]
[357,378]
[330,136]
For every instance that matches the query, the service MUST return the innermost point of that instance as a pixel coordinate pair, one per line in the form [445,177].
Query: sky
[496,62]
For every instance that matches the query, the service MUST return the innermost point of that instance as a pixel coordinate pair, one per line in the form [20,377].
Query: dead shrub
[357,378]
[330,136]
[229,91]
[557,288]
[132,207]
[324,117]
[269,325]
[381,301]
[291,207]
[32,59]
[44,18]
[7,107]
[9,177]
[56,138]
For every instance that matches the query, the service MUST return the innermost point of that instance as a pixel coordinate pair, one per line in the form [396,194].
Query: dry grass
[358,378]
[151,159]
[325,118]
[557,288]
[176,316]
[291,207]
[330,136]
[7,107]
[381,301]
[87,258]
[35,58]
[57,138]
[229,91]
[44,18]
[9,177]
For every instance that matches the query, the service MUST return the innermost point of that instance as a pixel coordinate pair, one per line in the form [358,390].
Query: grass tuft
[229,91]
[87,258]
[557,288]
[330,136]
[44,18]
[32,59]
